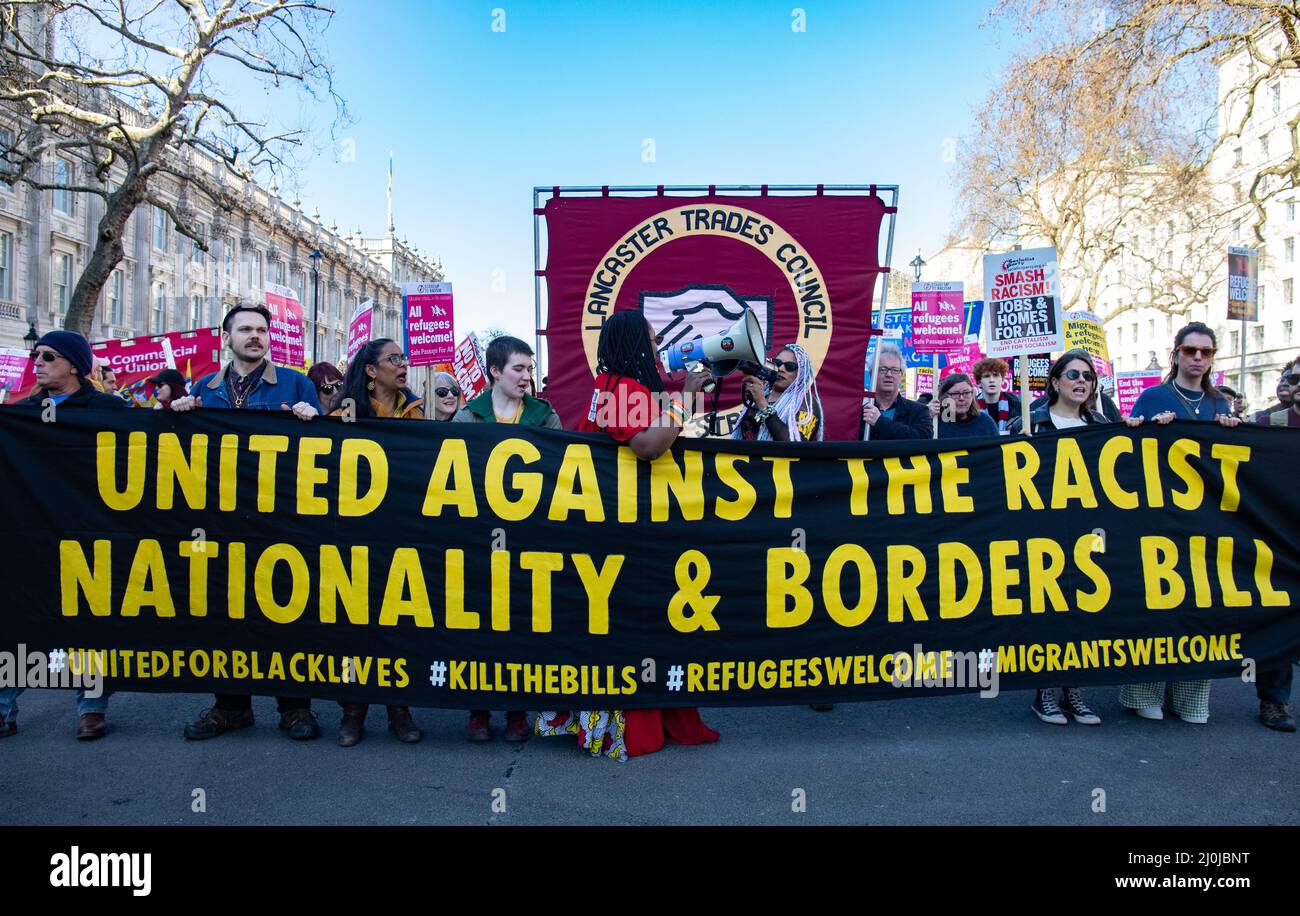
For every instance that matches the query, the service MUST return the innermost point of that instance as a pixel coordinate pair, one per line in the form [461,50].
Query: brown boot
[517,727]
[91,725]
[479,728]
[353,724]
[400,724]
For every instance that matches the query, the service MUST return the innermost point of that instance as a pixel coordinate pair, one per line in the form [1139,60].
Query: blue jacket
[279,388]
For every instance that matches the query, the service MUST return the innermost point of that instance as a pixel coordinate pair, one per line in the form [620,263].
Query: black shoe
[1074,706]
[821,707]
[1276,716]
[300,724]
[401,725]
[1046,707]
[216,721]
[353,724]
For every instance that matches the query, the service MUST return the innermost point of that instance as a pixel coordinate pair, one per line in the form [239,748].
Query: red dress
[623,407]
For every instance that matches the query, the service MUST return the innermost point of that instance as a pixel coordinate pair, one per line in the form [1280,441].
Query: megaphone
[722,353]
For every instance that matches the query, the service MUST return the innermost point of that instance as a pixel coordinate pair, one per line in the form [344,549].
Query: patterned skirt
[602,732]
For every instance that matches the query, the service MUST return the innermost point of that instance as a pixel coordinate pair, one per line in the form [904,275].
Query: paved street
[945,760]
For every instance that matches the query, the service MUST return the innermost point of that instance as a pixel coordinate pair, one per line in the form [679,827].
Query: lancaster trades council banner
[806,265]
[480,565]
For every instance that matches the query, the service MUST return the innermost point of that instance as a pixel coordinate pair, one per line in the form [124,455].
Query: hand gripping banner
[475,566]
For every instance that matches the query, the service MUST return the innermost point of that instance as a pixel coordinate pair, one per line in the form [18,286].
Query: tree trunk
[107,254]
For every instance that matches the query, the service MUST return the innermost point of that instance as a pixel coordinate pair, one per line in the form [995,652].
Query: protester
[957,411]
[1071,403]
[510,367]
[1285,391]
[1238,402]
[1001,406]
[1185,394]
[62,363]
[892,416]
[795,412]
[375,387]
[168,386]
[329,384]
[624,407]
[102,376]
[446,396]
[250,381]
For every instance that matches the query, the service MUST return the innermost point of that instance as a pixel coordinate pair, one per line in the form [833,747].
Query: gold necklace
[1193,407]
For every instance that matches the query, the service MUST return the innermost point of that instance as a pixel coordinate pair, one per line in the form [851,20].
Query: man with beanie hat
[62,362]
[62,365]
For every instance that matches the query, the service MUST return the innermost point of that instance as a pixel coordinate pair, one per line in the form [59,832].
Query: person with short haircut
[957,411]
[510,367]
[375,387]
[62,362]
[629,405]
[891,416]
[1185,394]
[1285,391]
[1071,404]
[329,385]
[1001,406]
[250,381]
[446,396]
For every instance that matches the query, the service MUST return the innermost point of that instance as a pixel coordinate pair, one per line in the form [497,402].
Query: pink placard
[938,317]
[286,326]
[359,328]
[962,360]
[15,368]
[430,324]
[924,380]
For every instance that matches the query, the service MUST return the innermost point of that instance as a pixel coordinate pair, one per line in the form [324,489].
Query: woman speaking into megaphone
[788,409]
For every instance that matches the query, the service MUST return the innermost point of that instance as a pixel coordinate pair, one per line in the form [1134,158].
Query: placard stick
[1024,395]
[875,369]
[934,380]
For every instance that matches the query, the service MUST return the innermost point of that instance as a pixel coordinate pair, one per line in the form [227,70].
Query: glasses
[444,391]
[1075,374]
[1293,379]
[890,370]
[785,364]
[331,387]
[1189,350]
[48,355]
[962,393]
[396,359]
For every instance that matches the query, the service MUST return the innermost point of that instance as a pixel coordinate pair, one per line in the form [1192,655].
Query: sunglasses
[396,359]
[331,387]
[48,355]
[1293,379]
[786,364]
[1189,350]
[444,391]
[1075,374]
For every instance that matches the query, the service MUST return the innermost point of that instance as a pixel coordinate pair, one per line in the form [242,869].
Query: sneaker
[300,724]
[1047,709]
[1275,715]
[479,728]
[1075,706]
[1154,713]
[1193,720]
[216,721]
[517,727]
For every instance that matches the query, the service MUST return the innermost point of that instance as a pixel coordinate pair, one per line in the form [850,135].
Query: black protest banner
[477,566]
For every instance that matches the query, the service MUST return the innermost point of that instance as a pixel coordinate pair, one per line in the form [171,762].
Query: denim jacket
[278,389]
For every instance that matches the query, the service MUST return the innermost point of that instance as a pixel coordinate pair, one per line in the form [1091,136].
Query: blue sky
[728,92]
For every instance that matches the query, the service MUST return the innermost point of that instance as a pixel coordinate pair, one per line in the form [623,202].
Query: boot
[479,728]
[400,724]
[91,725]
[517,727]
[353,724]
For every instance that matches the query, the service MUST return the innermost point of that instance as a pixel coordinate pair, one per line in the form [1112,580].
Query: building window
[1287,286]
[6,144]
[1290,211]
[62,281]
[1257,337]
[196,312]
[196,252]
[1286,332]
[1236,156]
[63,176]
[158,319]
[1263,146]
[159,228]
[1236,342]
[1259,294]
[229,249]
[300,284]
[1275,95]
[255,269]
[278,273]
[6,265]
[113,300]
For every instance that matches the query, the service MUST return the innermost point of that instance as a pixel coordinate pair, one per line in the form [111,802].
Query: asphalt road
[928,761]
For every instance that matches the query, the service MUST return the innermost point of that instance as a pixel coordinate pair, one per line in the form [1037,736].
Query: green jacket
[536,412]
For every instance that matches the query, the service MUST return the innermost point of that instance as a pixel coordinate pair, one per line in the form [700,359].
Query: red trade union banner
[806,265]
[135,359]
